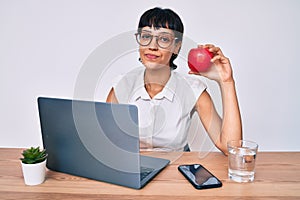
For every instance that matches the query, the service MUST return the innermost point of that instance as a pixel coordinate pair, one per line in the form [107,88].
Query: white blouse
[165,119]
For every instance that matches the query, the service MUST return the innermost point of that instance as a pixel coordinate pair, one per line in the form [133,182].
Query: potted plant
[34,165]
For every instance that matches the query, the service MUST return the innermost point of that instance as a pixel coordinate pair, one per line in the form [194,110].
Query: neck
[155,80]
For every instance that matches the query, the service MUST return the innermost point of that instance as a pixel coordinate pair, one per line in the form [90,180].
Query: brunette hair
[163,18]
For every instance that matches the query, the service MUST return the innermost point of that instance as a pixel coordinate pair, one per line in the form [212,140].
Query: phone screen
[199,176]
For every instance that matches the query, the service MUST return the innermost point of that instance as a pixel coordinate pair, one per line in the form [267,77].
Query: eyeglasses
[164,40]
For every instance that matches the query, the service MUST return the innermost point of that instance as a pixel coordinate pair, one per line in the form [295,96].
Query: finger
[220,58]
[216,50]
[212,48]
[209,45]
[215,58]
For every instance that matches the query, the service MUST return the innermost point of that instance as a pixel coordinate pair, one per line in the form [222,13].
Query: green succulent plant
[33,155]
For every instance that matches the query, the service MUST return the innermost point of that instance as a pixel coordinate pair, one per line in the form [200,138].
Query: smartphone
[199,176]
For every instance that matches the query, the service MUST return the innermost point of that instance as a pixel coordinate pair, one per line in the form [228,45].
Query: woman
[166,99]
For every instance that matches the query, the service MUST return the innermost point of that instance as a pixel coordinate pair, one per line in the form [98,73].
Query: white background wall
[44,43]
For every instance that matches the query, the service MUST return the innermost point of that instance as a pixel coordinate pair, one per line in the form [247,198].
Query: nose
[153,44]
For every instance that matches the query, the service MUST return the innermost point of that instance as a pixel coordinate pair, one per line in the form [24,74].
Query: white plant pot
[34,174]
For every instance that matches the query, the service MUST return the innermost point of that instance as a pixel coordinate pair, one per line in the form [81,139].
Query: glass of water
[241,160]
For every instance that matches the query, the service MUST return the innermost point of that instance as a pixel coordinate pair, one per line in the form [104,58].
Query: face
[157,54]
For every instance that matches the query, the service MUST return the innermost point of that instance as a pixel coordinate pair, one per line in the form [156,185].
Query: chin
[155,66]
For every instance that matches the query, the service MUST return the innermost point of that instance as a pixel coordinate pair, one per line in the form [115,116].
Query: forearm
[231,123]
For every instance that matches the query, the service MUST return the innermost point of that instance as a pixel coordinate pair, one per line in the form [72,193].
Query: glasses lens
[144,38]
[164,41]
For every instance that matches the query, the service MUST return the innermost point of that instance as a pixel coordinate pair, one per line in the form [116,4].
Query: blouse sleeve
[116,80]
[124,84]
[119,84]
[196,84]
[191,87]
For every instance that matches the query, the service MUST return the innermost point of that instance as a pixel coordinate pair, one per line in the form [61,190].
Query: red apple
[199,59]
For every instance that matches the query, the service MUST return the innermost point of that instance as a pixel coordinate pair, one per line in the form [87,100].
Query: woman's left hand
[220,70]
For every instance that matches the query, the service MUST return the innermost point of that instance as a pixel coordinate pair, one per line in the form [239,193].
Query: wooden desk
[277,177]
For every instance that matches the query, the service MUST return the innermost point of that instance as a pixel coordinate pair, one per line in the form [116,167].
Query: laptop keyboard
[145,171]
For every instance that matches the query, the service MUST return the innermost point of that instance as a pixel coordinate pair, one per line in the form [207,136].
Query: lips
[151,56]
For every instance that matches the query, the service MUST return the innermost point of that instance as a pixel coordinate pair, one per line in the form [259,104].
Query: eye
[165,39]
[145,36]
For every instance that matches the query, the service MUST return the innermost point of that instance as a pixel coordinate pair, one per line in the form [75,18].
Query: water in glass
[241,164]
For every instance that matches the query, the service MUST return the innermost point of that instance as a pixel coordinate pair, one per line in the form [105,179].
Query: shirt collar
[168,92]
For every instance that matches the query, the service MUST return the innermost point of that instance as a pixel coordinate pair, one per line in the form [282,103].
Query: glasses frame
[137,35]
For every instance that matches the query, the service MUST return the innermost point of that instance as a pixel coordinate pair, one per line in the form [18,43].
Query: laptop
[96,140]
